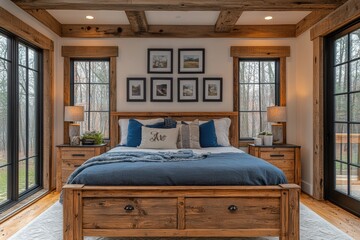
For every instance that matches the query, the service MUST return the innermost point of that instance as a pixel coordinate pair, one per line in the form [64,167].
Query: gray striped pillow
[189,135]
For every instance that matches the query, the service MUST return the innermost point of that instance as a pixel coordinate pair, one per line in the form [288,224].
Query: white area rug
[48,226]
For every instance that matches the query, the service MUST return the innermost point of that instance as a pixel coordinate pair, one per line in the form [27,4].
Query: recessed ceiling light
[268,17]
[89,17]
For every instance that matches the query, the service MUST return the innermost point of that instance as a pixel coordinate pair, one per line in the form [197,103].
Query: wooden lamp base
[278,133]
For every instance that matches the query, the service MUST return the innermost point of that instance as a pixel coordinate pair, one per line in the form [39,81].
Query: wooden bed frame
[181,211]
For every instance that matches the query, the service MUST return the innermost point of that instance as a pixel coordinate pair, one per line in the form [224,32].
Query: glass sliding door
[20,116]
[342,133]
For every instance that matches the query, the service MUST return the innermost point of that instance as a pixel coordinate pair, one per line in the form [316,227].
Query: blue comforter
[181,169]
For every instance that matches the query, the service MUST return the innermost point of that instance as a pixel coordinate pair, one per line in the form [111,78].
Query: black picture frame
[212,89]
[163,52]
[140,95]
[157,89]
[193,82]
[186,68]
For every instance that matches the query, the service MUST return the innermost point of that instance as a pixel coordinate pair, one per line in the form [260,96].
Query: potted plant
[92,137]
[268,139]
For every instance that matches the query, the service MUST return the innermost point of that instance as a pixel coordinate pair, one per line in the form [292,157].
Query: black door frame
[345,201]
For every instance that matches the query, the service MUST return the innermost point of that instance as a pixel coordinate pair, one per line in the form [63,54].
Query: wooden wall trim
[67,71]
[48,120]
[47,19]
[14,25]
[311,19]
[89,52]
[318,119]
[178,31]
[338,18]
[227,20]
[181,5]
[260,51]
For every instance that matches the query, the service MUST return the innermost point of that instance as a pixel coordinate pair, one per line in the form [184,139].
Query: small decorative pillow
[134,131]
[208,135]
[189,135]
[169,123]
[159,138]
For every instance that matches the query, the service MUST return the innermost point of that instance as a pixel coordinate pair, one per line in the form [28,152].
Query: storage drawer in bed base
[223,211]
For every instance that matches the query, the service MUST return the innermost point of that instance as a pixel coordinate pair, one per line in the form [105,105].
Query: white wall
[304,109]
[132,62]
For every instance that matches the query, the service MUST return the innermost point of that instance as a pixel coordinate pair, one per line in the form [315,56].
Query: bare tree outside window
[90,87]
[258,89]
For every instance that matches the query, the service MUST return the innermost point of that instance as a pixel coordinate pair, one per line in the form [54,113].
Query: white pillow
[222,126]
[159,138]
[124,124]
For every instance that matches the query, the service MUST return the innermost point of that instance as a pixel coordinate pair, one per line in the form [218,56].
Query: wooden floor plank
[340,218]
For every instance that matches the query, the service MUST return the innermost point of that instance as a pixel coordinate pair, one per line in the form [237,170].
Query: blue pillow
[169,123]
[208,135]
[134,132]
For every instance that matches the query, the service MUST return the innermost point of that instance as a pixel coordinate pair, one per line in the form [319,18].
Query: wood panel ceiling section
[225,26]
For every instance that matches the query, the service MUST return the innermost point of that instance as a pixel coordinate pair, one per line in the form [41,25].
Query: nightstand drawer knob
[277,155]
[232,208]
[78,155]
[129,208]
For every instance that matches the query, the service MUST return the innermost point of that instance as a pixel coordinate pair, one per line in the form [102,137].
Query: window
[20,114]
[90,87]
[258,88]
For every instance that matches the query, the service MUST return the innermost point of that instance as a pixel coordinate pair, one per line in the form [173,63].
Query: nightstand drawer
[283,164]
[77,154]
[69,166]
[277,155]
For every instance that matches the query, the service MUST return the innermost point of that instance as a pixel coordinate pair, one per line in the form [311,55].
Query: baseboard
[307,188]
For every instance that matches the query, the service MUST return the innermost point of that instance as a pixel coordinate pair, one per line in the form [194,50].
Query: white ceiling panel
[100,16]
[182,17]
[257,17]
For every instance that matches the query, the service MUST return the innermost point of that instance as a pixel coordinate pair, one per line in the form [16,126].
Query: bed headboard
[180,116]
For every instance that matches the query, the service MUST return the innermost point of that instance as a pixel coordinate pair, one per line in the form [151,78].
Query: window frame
[281,52]
[90,52]
[277,87]
[72,84]
[13,194]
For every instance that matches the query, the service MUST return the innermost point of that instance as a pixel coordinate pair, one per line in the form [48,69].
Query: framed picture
[160,60]
[212,90]
[136,89]
[161,89]
[188,89]
[191,60]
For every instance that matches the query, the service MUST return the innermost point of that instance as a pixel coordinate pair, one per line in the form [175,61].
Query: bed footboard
[181,211]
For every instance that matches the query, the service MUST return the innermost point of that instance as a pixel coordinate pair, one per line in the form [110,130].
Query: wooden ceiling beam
[227,20]
[310,20]
[178,31]
[181,5]
[47,19]
[137,21]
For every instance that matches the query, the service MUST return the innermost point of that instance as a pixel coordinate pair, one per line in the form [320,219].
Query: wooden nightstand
[68,158]
[286,157]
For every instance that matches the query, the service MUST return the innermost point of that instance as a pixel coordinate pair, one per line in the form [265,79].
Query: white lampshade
[276,114]
[74,113]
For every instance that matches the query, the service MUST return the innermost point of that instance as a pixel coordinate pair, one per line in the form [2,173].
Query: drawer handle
[232,208]
[78,155]
[77,165]
[129,208]
[276,155]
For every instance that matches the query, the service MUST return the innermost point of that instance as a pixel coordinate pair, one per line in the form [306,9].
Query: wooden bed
[181,211]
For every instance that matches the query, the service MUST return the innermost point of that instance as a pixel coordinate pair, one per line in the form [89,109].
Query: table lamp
[277,115]
[74,114]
